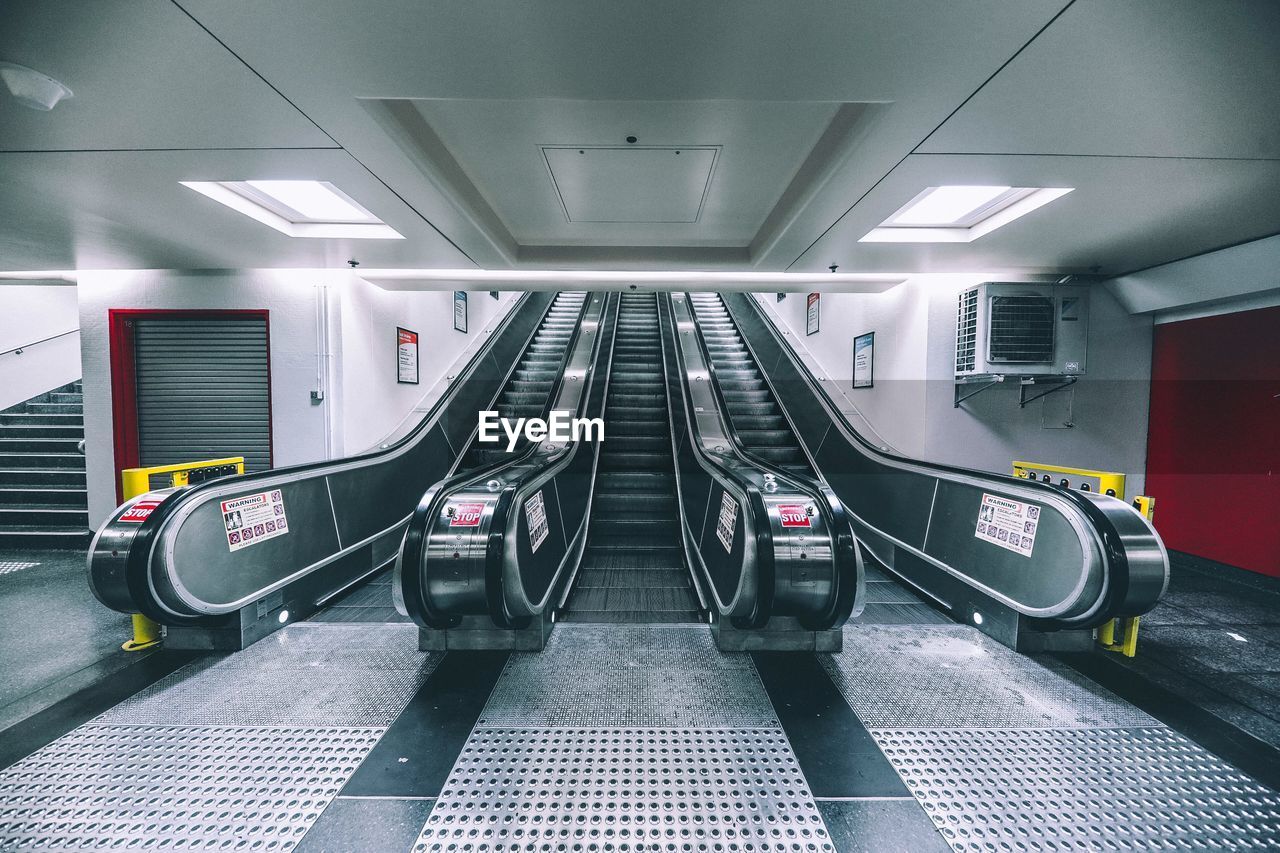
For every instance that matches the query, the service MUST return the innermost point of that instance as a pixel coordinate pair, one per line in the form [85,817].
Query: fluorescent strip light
[427,279]
[313,199]
[1020,202]
[370,229]
[947,205]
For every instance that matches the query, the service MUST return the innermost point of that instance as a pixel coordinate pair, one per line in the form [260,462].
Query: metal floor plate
[1067,790]
[304,675]
[176,788]
[625,790]
[629,676]
[926,676]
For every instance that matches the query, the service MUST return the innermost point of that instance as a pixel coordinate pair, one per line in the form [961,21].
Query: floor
[337,734]
[1215,641]
[55,638]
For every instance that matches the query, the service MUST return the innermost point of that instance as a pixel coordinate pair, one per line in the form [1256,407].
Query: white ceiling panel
[1139,78]
[631,184]
[144,75]
[1124,214]
[127,209]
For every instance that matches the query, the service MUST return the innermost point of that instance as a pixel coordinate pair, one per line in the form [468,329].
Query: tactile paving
[304,675]
[1077,790]
[625,790]
[927,676]
[635,675]
[176,788]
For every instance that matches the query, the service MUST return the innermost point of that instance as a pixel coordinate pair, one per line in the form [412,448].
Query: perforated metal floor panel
[176,788]
[952,676]
[625,790]
[1065,790]
[304,675]
[633,675]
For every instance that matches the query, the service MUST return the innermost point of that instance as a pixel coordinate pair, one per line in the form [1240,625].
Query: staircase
[43,502]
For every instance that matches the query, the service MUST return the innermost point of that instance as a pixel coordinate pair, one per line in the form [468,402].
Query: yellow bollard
[146,634]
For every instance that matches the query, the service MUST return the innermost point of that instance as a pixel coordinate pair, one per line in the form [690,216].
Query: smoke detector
[31,88]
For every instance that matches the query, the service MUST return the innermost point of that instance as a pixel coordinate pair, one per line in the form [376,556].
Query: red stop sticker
[793,515]
[140,511]
[466,515]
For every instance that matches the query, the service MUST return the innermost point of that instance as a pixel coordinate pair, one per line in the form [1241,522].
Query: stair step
[14,496]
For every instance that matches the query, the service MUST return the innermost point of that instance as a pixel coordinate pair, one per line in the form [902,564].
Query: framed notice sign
[864,359]
[460,310]
[781,296]
[811,314]
[406,356]
[495,294]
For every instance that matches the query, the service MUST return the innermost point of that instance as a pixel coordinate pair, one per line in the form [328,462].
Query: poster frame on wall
[406,356]
[812,313]
[864,375]
[460,311]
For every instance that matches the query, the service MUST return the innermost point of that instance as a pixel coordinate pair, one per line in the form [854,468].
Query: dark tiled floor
[369,602]
[1215,641]
[359,823]
[880,826]
[55,638]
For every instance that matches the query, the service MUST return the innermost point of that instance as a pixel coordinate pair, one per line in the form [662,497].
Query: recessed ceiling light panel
[960,213]
[315,209]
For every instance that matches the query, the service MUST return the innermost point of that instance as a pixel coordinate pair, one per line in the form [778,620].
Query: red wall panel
[1213,449]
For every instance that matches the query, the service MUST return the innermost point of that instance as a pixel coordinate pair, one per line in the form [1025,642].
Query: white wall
[373,402]
[363,403]
[31,313]
[911,403]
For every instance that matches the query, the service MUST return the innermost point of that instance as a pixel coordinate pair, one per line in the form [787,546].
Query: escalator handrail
[1106,515]
[755,584]
[409,577]
[844,548]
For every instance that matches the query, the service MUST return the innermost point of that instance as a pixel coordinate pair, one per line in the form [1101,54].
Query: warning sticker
[254,518]
[140,511]
[465,515]
[535,512]
[728,521]
[1009,524]
[794,515]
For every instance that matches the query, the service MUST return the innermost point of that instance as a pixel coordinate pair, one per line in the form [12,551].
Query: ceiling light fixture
[314,209]
[31,88]
[960,213]
[433,279]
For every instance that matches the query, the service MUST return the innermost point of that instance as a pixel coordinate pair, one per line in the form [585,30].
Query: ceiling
[799,127]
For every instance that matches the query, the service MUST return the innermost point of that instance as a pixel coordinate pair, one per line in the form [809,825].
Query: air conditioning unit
[1022,329]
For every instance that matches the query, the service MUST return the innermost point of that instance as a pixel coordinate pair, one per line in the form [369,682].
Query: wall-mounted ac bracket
[1056,383]
[979,383]
[972,386]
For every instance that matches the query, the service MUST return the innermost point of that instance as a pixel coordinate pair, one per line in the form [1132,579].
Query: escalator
[669,519]
[170,555]
[633,569]
[758,423]
[527,392]
[1088,559]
